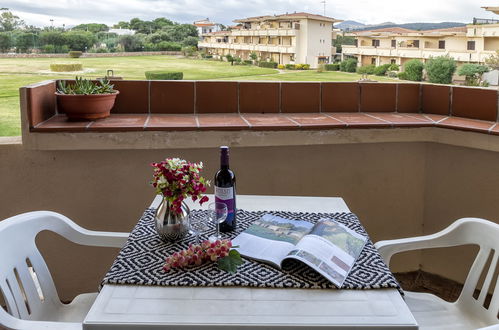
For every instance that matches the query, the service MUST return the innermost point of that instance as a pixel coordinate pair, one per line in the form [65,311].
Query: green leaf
[230,262]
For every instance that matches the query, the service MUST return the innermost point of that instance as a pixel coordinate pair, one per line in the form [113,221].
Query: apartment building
[468,44]
[206,26]
[286,39]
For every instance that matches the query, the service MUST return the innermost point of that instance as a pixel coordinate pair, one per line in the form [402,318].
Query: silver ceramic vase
[170,225]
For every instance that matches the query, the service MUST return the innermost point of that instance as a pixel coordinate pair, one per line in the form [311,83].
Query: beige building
[298,38]
[472,43]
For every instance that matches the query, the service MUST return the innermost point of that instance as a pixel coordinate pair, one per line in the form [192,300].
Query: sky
[73,12]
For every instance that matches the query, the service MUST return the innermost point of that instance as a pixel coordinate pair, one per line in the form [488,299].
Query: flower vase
[171,226]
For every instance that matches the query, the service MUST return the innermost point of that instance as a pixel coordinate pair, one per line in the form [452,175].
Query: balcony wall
[401,181]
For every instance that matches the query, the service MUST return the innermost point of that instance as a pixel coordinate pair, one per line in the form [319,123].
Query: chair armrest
[58,223]
[450,236]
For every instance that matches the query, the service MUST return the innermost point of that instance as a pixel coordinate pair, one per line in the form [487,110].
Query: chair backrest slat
[8,296]
[485,234]
[488,278]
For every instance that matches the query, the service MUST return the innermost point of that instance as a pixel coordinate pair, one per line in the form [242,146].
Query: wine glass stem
[197,238]
[218,230]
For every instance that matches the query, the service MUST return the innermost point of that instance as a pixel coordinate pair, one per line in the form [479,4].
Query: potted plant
[85,99]
[176,179]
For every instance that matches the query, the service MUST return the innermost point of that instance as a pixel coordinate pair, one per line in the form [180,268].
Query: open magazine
[327,246]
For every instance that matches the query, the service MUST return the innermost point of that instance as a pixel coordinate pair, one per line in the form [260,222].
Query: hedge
[271,65]
[290,67]
[381,70]
[75,54]
[66,67]
[366,69]
[440,69]
[332,67]
[164,75]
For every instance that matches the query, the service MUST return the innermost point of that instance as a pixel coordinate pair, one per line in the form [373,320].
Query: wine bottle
[225,190]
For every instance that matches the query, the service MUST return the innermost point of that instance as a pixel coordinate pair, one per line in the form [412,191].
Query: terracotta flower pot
[86,107]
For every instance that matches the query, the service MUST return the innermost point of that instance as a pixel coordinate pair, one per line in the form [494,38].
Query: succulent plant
[83,86]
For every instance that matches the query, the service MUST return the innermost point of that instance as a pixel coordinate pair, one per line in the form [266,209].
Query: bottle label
[226,196]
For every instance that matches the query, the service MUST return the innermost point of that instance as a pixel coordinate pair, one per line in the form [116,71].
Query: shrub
[305,67]
[299,66]
[253,56]
[414,70]
[440,69]
[66,67]
[168,46]
[290,67]
[248,62]
[48,49]
[348,65]
[381,70]
[366,69]
[493,61]
[164,75]
[473,73]
[102,50]
[208,56]
[281,66]
[392,74]
[403,75]
[189,51]
[321,68]
[393,67]
[332,67]
[271,65]
[75,54]
[238,60]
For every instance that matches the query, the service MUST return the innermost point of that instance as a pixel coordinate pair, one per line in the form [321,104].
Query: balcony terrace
[250,47]
[408,159]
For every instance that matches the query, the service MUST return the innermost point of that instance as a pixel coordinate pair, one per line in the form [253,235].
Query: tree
[161,22]
[92,27]
[493,61]
[25,41]
[132,43]
[342,40]
[55,38]
[413,70]
[182,31]
[190,41]
[122,25]
[78,40]
[9,21]
[5,42]
[440,69]
[473,73]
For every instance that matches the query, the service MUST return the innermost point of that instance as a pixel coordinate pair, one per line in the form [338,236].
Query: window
[441,44]
[373,60]
[375,42]
[394,43]
[471,45]
[416,43]
[393,61]
[356,43]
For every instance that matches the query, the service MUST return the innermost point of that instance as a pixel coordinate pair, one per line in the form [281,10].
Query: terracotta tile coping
[270,122]
[242,105]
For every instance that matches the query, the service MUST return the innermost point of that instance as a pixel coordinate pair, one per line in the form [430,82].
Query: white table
[141,307]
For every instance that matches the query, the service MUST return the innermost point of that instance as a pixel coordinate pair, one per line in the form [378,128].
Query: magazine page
[271,238]
[331,248]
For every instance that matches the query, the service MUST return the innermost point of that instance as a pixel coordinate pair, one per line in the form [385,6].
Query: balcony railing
[264,32]
[250,47]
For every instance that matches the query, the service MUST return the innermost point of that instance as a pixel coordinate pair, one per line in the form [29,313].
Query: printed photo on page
[328,246]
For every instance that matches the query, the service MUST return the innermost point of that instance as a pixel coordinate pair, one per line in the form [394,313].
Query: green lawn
[18,72]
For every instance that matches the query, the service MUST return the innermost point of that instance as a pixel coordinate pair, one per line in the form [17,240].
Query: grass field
[18,72]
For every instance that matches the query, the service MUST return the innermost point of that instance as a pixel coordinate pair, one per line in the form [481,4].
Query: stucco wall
[397,190]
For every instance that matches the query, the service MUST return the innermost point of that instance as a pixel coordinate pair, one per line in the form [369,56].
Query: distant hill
[352,25]
[349,25]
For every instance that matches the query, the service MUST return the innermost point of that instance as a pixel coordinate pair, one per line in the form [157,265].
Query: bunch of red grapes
[196,254]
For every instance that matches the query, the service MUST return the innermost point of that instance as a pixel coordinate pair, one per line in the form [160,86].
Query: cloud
[72,12]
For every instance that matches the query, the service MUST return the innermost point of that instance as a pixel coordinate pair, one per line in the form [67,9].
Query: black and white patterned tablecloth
[140,261]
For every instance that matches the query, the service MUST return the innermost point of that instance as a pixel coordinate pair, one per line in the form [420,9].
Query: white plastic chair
[32,305]
[466,312]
